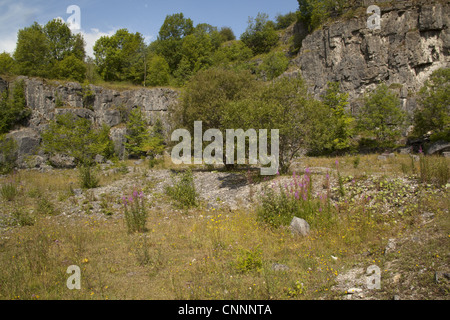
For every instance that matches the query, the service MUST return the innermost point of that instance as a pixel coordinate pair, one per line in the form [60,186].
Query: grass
[223,254]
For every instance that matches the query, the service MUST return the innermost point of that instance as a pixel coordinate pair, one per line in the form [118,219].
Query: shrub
[9,190]
[260,35]
[13,109]
[87,177]
[23,218]
[77,137]
[381,116]
[183,191]
[45,207]
[135,212]
[8,154]
[434,112]
[249,261]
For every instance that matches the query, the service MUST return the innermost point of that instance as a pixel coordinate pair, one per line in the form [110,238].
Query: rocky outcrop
[101,105]
[413,41]
[98,104]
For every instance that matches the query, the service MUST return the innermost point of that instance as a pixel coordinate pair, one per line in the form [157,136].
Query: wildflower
[307,171]
[141,195]
[297,196]
[421,150]
[135,194]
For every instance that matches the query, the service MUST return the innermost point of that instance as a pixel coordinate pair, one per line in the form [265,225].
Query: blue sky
[99,17]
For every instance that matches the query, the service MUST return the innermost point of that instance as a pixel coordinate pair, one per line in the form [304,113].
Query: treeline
[180,51]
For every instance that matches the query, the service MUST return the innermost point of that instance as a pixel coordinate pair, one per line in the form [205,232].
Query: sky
[104,18]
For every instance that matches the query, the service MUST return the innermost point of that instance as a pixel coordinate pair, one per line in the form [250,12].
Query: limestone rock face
[413,42]
[100,105]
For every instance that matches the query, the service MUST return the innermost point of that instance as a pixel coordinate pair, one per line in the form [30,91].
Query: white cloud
[13,16]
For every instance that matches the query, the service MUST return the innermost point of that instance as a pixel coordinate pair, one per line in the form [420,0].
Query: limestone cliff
[413,41]
[98,104]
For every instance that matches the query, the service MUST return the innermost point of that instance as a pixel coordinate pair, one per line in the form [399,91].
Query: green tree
[206,96]
[170,38]
[70,68]
[343,122]
[158,71]
[381,116]
[121,57]
[434,111]
[274,65]
[32,51]
[260,35]
[61,42]
[285,105]
[77,137]
[231,54]
[6,63]
[313,13]
[227,34]
[285,20]
[13,109]
[137,133]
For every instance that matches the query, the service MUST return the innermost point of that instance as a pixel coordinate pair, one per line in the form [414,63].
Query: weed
[249,261]
[45,207]
[87,178]
[9,191]
[135,212]
[183,191]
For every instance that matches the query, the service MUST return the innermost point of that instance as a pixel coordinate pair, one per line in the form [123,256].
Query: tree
[32,51]
[434,111]
[381,116]
[313,13]
[227,34]
[137,133]
[6,63]
[342,127]
[13,109]
[260,35]
[285,20]
[121,57]
[158,71]
[77,137]
[274,65]
[170,38]
[283,104]
[207,94]
[70,68]
[40,50]
[231,54]
[61,41]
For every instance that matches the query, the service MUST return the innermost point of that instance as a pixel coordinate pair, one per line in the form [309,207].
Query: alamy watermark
[374,21]
[236,142]
[74,281]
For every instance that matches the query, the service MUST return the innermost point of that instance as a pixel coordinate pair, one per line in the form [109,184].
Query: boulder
[300,227]
[28,142]
[438,147]
[61,161]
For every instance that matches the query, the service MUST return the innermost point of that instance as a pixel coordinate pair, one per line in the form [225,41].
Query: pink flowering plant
[280,203]
[135,212]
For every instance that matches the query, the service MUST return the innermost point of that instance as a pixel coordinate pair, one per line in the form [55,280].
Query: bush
[260,35]
[8,154]
[13,109]
[9,190]
[77,137]
[381,117]
[274,65]
[249,261]
[183,191]
[434,112]
[87,177]
[135,212]
[285,20]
